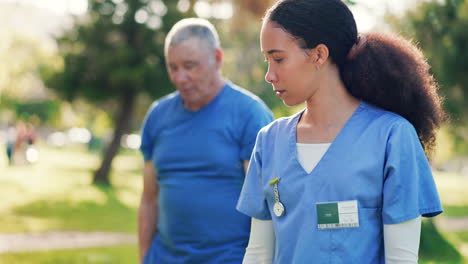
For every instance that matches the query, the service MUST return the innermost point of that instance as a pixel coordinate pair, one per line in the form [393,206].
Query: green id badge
[337,215]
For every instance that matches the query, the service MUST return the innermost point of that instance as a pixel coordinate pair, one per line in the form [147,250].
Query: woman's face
[291,69]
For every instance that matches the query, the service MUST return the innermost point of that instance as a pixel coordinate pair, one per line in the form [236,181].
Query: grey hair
[192,27]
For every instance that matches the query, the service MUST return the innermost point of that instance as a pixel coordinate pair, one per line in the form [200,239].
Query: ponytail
[390,72]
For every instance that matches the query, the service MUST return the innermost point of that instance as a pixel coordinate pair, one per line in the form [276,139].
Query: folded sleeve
[409,189]
[258,115]
[252,200]
[148,132]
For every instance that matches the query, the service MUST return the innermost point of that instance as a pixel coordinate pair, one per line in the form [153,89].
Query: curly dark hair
[386,69]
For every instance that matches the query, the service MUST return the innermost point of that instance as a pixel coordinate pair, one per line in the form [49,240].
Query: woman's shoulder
[386,120]
[384,116]
[281,124]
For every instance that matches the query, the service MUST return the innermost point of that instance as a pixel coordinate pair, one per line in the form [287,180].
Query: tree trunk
[127,103]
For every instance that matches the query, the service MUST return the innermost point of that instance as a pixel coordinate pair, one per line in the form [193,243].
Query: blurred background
[77,77]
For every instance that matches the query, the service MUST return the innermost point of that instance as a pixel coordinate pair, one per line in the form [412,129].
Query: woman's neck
[332,103]
[327,112]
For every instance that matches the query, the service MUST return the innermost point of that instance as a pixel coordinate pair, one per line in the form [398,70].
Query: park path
[452,224]
[62,240]
[74,239]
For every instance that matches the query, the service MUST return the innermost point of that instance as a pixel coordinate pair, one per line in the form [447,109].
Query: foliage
[444,149]
[44,111]
[20,57]
[115,54]
[22,94]
[38,112]
[110,53]
[350,2]
[439,27]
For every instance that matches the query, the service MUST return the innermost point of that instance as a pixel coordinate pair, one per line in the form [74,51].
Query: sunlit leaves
[439,27]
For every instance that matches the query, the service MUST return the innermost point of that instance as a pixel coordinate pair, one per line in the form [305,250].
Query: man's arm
[246,165]
[148,211]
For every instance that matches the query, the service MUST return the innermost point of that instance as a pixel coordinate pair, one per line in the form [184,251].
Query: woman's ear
[321,54]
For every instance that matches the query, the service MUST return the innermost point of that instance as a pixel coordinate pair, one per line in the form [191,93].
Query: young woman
[346,180]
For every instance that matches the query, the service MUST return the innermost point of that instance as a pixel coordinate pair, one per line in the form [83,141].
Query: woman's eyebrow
[269,52]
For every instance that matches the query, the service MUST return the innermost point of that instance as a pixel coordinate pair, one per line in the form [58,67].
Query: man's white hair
[192,27]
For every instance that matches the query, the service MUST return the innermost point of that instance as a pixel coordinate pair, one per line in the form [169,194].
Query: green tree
[22,93]
[439,28]
[20,57]
[114,54]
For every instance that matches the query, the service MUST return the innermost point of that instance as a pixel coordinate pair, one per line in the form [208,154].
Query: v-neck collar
[334,144]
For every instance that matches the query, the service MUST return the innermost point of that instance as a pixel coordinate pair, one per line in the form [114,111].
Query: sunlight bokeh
[368,13]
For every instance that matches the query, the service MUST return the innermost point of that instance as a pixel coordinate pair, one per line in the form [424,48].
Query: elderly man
[196,143]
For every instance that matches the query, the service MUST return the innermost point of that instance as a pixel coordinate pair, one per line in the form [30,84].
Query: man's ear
[219,58]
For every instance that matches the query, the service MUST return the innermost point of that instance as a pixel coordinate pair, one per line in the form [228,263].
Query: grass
[112,255]
[435,248]
[447,247]
[57,194]
[460,240]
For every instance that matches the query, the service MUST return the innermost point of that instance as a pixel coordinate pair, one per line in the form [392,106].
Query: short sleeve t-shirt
[199,163]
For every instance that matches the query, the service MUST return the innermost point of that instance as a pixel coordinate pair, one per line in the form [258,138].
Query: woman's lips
[280,93]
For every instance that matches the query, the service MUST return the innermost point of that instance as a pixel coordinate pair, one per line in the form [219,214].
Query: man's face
[193,67]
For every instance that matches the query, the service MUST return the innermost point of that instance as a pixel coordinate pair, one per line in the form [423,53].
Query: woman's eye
[275,60]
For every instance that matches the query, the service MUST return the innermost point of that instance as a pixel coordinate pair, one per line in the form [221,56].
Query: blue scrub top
[199,158]
[376,159]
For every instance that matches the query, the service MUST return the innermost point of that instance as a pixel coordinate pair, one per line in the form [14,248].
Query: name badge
[337,215]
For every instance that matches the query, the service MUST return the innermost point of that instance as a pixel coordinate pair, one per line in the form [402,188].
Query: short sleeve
[258,116]
[252,201]
[147,133]
[409,189]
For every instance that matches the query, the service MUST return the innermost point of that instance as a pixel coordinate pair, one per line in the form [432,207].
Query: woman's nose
[270,76]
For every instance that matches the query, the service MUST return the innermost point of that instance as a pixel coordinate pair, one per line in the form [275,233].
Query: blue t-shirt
[376,160]
[199,159]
